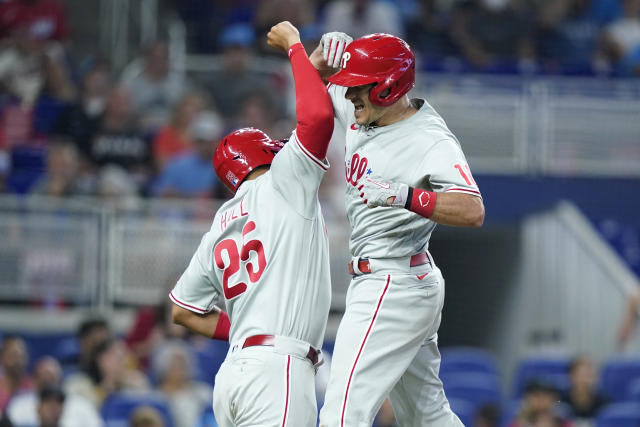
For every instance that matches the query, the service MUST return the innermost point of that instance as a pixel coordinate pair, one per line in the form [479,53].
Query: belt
[270,341]
[365,267]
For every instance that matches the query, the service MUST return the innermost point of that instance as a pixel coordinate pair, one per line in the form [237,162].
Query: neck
[261,170]
[401,110]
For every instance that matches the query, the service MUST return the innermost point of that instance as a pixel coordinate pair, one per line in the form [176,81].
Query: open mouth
[358,107]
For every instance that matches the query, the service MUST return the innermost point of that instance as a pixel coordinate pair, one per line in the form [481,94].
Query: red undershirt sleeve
[314,111]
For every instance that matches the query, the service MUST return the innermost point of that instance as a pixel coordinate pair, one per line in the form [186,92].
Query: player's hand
[376,191]
[283,35]
[333,46]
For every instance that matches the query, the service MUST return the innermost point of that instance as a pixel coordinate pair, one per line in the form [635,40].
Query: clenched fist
[283,35]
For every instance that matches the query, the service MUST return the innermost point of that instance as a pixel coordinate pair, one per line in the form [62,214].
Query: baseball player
[405,172]
[267,254]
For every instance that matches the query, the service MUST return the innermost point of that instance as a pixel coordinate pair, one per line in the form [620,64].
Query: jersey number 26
[235,256]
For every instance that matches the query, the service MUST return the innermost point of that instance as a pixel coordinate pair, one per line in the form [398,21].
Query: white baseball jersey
[419,151]
[267,253]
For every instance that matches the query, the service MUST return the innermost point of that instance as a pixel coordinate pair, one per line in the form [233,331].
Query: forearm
[314,111]
[455,209]
[211,325]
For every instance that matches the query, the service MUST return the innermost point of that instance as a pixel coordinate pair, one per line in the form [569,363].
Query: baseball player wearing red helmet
[267,254]
[405,172]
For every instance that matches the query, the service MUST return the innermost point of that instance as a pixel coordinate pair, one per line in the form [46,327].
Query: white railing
[558,126]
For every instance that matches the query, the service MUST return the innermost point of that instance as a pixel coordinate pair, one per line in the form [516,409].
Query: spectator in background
[81,120]
[47,375]
[173,367]
[22,73]
[50,404]
[621,40]
[191,174]
[106,374]
[539,407]
[567,36]
[257,111]
[174,138]
[428,33]
[238,79]
[360,17]
[270,12]
[91,332]
[492,36]
[61,179]
[117,140]
[146,416]
[155,88]
[45,20]
[583,399]
[13,375]
[487,416]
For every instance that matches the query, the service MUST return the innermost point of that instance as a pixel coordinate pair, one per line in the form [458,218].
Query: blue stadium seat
[622,414]
[633,391]
[28,165]
[467,359]
[551,369]
[209,357]
[465,410]
[617,375]
[117,409]
[476,388]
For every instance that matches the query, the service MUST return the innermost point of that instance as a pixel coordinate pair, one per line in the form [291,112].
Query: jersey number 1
[235,256]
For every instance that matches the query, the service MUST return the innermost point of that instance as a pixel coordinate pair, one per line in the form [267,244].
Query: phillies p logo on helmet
[345,57]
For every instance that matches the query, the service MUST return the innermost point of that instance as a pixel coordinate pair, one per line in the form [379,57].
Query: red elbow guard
[222,328]
[422,202]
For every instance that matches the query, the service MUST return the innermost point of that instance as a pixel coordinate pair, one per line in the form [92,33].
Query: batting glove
[379,192]
[333,46]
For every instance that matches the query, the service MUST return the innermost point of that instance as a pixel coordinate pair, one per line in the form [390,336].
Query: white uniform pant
[387,346]
[265,386]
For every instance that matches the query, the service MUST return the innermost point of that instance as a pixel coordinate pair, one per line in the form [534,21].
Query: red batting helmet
[382,59]
[242,151]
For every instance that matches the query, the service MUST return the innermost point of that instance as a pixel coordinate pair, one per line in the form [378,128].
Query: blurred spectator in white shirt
[155,87]
[173,367]
[360,17]
[76,410]
[621,39]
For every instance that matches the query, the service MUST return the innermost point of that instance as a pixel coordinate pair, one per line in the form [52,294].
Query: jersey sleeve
[195,289]
[342,108]
[445,169]
[296,175]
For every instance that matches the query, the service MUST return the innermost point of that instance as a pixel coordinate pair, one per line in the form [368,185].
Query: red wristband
[222,328]
[422,202]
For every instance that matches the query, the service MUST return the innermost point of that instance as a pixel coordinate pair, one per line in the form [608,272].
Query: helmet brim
[347,79]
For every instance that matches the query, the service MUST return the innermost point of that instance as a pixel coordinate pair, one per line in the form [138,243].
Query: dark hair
[89,325]
[93,370]
[577,361]
[540,384]
[51,393]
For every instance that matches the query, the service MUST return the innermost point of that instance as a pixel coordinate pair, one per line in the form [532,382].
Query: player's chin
[361,118]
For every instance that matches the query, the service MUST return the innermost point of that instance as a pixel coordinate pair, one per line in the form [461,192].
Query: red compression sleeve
[222,328]
[314,111]
[420,201]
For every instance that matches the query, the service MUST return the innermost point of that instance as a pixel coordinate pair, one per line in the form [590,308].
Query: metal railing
[92,252]
[542,126]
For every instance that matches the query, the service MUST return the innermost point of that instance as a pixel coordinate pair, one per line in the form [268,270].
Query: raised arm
[314,111]
[327,56]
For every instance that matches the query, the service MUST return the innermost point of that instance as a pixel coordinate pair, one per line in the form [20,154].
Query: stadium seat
[464,409]
[117,409]
[633,391]
[551,369]
[467,359]
[622,414]
[616,377]
[476,388]
[209,357]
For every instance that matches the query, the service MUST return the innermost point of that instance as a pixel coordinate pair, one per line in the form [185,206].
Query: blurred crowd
[153,376]
[74,125]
